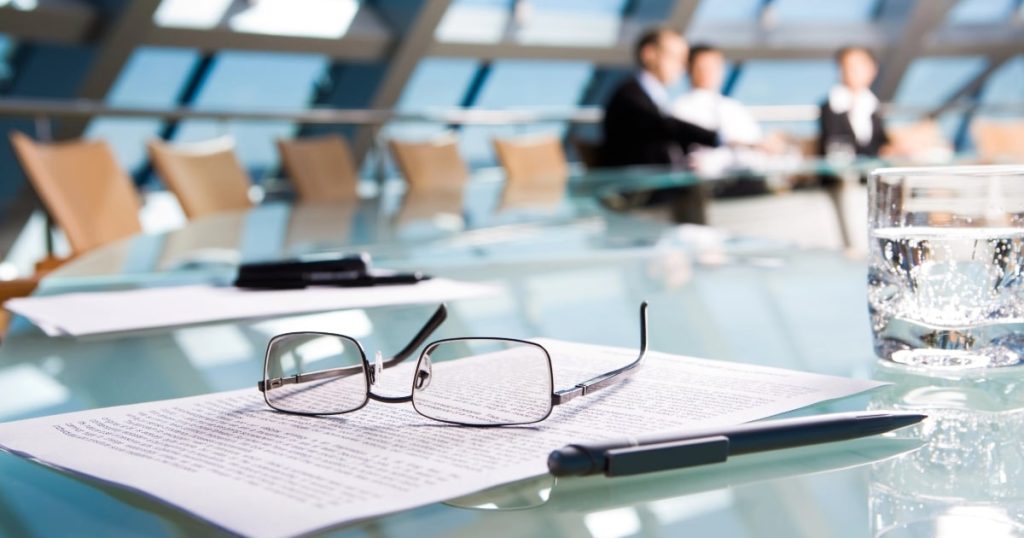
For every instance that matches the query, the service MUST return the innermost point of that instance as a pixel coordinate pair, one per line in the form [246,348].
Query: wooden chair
[998,141]
[83,188]
[434,165]
[537,161]
[206,177]
[321,168]
[12,289]
[921,141]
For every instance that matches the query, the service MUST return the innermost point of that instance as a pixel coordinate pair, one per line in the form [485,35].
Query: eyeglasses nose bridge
[423,373]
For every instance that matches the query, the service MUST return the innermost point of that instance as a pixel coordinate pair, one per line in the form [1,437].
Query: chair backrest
[434,165]
[998,140]
[537,160]
[922,140]
[86,192]
[206,177]
[321,168]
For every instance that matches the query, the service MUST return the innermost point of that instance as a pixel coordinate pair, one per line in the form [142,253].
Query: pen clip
[663,456]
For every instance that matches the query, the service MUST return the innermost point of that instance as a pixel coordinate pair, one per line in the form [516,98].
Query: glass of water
[946,280]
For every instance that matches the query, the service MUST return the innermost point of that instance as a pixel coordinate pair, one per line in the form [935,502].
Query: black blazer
[636,132]
[833,125]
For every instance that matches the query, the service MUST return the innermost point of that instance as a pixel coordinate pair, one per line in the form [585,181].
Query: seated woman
[850,116]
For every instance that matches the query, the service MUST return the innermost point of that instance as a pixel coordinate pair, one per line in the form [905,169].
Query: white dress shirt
[716,112]
[654,89]
[859,107]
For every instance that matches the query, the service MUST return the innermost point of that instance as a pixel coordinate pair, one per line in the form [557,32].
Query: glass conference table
[572,272]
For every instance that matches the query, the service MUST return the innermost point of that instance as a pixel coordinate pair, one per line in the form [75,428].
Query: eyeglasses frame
[558,397]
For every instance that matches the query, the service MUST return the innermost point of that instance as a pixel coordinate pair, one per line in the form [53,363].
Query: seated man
[704,104]
[638,126]
[850,117]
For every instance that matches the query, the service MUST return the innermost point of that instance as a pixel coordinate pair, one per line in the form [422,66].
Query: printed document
[230,460]
[79,314]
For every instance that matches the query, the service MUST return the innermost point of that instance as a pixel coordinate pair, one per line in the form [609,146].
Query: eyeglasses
[465,381]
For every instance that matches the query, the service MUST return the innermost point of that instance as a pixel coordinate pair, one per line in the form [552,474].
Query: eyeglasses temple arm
[613,377]
[428,329]
[275,382]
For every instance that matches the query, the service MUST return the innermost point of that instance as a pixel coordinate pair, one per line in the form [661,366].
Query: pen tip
[900,420]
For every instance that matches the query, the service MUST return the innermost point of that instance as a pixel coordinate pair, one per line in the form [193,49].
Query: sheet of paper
[79,314]
[228,459]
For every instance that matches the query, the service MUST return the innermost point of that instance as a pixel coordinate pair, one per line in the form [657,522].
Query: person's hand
[774,143]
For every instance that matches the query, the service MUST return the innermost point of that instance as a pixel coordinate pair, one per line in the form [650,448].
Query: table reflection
[966,478]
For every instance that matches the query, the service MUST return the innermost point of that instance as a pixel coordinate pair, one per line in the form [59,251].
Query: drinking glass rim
[963,170]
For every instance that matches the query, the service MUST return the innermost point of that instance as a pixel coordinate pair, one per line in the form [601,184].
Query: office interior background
[952,60]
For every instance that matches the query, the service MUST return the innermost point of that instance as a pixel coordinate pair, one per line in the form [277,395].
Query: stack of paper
[228,459]
[79,314]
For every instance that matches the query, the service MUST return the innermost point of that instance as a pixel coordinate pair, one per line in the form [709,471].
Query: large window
[981,11]
[571,22]
[474,21]
[1006,85]
[930,81]
[310,18]
[592,23]
[818,11]
[254,81]
[524,84]
[731,11]
[153,77]
[785,82]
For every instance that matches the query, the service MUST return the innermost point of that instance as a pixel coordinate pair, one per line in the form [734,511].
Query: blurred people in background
[744,147]
[638,125]
[704,104]
[850,120]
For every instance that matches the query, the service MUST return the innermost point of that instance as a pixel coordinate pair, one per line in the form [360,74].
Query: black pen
[344,279]
[378,279]
[687,448]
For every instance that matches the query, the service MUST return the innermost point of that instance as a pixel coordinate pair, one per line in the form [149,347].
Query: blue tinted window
[152,77]
[313,18]
[816,10]
[190,13]
[980,11]
[474,21]
[728,11]
[572,22]
[255,81]
[930,81]
[524,84]
[1006,85]
[436,83]
[784,82]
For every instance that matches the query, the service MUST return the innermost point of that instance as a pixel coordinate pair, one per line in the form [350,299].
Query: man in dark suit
[638,125]
[849,117]
[639,128]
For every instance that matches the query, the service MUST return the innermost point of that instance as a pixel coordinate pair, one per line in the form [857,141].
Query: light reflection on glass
[965,479]
[215,345]
[27,388]
[615,523]
[352,323]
